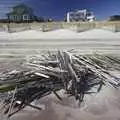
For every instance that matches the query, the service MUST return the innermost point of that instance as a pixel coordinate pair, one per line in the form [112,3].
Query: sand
[31,42]
[102,106]
[66,34]
[61,34]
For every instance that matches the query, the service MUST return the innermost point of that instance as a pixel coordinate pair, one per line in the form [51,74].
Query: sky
[57,9]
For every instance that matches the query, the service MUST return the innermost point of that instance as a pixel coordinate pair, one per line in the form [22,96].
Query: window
[89,14]
[14,17]
[25,17]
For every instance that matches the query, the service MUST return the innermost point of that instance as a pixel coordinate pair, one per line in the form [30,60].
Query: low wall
[18,27]
[3,27]
[111,26]
[50,27]
[79,27]
[75,26]
[36,26]
[117,28]
[84,27]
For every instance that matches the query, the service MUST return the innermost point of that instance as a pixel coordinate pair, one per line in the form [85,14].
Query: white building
[80,15]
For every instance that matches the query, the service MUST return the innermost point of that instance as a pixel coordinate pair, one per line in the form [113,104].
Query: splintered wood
[46,74]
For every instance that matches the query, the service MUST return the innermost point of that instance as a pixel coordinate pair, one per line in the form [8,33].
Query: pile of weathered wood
[46,74]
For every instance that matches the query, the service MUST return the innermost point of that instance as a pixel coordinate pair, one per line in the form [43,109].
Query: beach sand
[102,106]
[61,34]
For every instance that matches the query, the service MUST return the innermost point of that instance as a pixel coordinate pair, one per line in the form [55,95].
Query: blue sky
[58,8]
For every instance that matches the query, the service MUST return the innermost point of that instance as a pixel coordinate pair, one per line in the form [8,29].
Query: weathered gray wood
[76,74]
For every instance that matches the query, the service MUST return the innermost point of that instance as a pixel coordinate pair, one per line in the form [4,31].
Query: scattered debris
[76,74]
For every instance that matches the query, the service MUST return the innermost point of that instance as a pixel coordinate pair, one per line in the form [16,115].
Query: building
[114,18]
[80,15]
[21,13]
